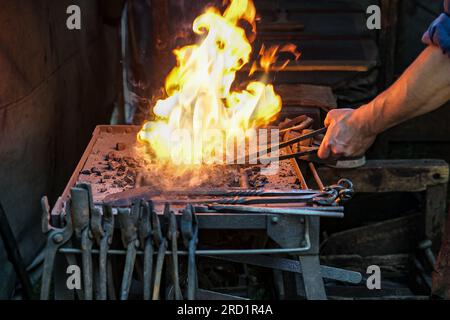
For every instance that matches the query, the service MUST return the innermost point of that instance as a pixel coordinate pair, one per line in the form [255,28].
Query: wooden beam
[424,175]
[435,214]
[307,96]
[319,65]
[388,40]
[392,175]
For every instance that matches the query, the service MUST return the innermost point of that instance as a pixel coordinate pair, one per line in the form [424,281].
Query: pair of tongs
[310,154]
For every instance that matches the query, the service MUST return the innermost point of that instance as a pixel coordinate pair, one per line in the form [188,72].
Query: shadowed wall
[55,86]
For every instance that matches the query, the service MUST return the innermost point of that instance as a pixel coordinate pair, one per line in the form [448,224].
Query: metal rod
[299,138]
[199,252]
[319,182]
[216,252]
[128,271]
[297,127]
[294,266]
[264,193]
[295,165]
[292,155]
[243,179]
[310,198]
[206,209]
[302,119]
[147,193]
[285,144]
[281,211]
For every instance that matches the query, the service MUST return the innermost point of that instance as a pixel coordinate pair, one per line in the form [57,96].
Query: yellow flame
[270,56]
[199,90]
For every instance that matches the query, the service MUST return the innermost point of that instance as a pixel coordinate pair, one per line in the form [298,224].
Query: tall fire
[203,113]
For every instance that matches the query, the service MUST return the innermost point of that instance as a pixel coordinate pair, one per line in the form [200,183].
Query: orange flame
[270,56]
[199,90]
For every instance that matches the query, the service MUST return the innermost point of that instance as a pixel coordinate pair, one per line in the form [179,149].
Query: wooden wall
[55,86]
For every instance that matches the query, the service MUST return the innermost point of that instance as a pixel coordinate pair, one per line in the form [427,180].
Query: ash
[118,163]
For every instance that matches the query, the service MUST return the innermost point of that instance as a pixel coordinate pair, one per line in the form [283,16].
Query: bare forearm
[423,87]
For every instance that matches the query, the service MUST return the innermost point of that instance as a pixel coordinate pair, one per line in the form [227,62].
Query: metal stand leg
[279,285]
[312,278]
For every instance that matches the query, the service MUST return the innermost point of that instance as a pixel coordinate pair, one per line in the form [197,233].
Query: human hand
[346,136]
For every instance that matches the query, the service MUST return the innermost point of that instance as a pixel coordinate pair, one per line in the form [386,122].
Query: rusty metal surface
[112,165]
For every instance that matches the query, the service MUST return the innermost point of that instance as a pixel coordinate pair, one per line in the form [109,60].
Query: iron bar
[319,182]
[281,211]
[295,165]
[284,145]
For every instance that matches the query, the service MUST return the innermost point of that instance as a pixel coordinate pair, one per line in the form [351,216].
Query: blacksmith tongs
[161,244]
[146,243]
[189,231]
[172,236]
[82,206]
[310,151]
[56,238]
[128,227]
[106,282]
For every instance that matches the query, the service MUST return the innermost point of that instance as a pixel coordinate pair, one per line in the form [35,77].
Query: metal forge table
[84,229]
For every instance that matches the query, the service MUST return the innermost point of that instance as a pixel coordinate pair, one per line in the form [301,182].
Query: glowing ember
[202,114]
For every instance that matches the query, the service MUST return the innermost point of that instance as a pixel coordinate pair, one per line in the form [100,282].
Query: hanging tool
[81,208]
[172,236]
[345,190]
[146,243]
[128,226]
[189,232]
[97,235]
[161,244]
[56,238]
[106,282]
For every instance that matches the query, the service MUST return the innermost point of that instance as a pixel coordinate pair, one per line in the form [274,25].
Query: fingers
[328,119]
[329,148]
[336,115]
[324,150]
[332,116]
[341,139]
[328,151]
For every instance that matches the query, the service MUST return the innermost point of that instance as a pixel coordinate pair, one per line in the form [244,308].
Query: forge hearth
[115,164]
[115,209]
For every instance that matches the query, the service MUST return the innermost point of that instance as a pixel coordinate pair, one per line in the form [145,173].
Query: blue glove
[439,32]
